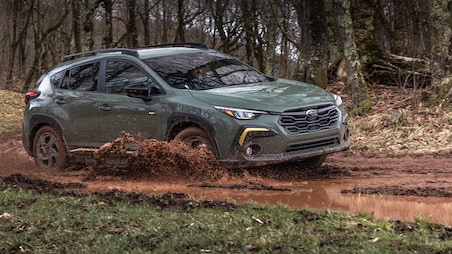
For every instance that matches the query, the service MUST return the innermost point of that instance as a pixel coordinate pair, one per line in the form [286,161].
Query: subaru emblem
[312,113]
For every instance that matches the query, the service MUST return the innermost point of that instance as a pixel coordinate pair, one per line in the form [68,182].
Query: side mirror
[138,91]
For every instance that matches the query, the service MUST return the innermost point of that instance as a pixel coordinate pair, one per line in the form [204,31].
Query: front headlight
[241,114]
[337,100]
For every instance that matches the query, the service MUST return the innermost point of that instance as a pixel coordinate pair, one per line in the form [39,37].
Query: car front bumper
[259,146]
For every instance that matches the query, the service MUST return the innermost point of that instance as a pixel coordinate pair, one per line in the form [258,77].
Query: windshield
[204,70]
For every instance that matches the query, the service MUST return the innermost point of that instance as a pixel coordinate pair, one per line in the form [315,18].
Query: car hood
[277,96]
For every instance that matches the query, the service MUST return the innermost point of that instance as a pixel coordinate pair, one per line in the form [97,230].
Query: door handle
[60,101]
[104,107]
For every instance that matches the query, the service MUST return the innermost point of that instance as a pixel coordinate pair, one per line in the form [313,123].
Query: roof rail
[180,44]
[101,51]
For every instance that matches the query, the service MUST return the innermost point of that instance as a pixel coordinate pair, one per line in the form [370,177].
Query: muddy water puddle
[318,195]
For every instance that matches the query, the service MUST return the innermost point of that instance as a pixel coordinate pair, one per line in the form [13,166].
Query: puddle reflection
[320,195]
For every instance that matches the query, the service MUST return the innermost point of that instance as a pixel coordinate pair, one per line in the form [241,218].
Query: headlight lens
[241,114]
[337,100]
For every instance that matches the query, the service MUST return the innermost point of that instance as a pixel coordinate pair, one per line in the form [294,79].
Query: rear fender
[37,121]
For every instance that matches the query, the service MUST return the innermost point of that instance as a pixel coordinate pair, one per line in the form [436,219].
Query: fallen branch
[401,71]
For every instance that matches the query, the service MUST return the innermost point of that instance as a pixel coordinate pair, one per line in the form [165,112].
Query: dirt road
[427,176]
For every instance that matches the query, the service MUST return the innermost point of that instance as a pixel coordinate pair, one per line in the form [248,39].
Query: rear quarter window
[56,78]
[79,78]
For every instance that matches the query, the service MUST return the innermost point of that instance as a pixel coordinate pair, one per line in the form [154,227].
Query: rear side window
[81,78]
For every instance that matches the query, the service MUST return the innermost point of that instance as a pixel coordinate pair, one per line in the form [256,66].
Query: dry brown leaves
[400,123]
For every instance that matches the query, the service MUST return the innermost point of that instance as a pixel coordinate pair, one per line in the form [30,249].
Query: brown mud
[389,187]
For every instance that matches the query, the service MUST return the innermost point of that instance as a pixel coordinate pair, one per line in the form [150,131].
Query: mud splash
[155,159]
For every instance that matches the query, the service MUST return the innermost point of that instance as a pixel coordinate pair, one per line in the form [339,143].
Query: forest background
[355,43]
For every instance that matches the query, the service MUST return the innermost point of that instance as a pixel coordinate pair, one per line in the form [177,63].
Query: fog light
[253,150]
[249,151]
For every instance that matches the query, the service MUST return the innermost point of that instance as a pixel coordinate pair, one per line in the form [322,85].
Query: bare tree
[108,38]
[254,30]
[76,29]
[42,30]
[88,23]
[411,24]
[132,33]
[230,31]
[187,12]
[355,79]
[144,14]
[313,62]
[19,37]
[287,33]
[386,41]
[271,36]
[441,50]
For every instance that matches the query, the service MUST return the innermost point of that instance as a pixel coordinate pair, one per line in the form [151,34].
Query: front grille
[310,120]
[312,145]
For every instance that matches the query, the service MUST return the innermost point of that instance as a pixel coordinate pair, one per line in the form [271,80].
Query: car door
[76,106]
[118,112]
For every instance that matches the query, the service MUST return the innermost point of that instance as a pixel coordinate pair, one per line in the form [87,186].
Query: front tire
[315,161]
[195,137]
[49,150]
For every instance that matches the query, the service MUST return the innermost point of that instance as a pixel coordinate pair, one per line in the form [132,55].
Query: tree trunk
[180,31]
[146,22]
[166,18]
[75,5]
[355,79]
[88,24]
[40,38]
[314,44]
[411,25]
[218,11]
[253,22]
[271,37]
[132,32]
[108,38]
[441,50]
[249,15]
[19,38]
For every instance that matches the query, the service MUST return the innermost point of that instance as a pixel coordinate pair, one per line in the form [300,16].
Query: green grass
[66,223]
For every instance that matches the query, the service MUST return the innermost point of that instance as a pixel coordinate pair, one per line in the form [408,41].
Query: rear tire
[49,150]
[195,137]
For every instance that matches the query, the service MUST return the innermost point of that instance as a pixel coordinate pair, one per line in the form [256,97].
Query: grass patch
[115,222]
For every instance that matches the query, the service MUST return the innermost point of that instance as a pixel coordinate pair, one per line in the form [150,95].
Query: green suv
[185,92]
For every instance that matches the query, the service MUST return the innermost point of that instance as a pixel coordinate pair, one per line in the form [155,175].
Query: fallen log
[400,71]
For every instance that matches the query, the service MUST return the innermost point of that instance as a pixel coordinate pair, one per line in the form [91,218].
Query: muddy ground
[416,175]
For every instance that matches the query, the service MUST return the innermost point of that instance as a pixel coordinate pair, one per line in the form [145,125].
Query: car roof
[140,53]
[143,53]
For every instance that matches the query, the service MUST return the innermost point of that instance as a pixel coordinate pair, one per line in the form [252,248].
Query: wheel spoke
[52,141]
[49,149]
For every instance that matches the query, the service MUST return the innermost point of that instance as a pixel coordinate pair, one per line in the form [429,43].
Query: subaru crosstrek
[185,92]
